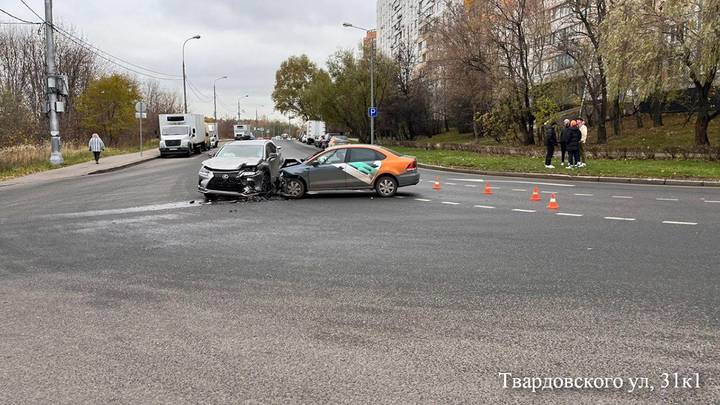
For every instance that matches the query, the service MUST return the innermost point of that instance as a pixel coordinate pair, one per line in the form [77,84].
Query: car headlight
[205,173]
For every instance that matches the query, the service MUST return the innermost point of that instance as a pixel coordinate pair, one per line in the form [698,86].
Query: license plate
[173,148]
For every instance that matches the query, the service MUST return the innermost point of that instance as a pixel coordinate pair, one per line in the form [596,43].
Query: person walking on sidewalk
[583,138]
[96,146]
[564,135]
[550,142]
[573,145]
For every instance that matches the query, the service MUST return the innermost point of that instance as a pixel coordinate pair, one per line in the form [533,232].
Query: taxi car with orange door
[351,167]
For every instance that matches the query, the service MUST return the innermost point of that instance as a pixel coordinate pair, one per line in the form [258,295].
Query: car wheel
[210,197]
[386,186]
[294,188]
[190,151]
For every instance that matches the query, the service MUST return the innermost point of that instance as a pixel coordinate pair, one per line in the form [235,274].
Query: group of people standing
[573,137]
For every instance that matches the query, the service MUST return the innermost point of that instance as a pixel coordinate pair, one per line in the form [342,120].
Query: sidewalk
[107,164]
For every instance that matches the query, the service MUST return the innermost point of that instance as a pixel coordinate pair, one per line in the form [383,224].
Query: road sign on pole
[141,114]
[372,112]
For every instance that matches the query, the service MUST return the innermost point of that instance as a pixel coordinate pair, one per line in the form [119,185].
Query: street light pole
[372,79]
[215,96]
[184,74]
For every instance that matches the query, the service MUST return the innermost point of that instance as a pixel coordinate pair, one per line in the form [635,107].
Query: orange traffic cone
[436,185]
[536,195]
[488,189]
[553,203]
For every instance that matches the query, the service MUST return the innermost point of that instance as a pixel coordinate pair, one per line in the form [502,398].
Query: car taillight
[412,167]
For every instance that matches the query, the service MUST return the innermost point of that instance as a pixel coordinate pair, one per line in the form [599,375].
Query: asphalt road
[116,288]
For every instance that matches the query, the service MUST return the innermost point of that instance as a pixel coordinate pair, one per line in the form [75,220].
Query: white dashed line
[470,186]
[422,200]
[585,195]
[712,202]
[549,192]
[450,203]
[399,197]
[622,197]
[667,199]
[485,207]
[451,184]
[526,211]
[565,214]
[620,219]
[679,223]
[521,190]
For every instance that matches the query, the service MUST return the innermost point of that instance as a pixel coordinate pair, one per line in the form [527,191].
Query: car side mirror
[314,163]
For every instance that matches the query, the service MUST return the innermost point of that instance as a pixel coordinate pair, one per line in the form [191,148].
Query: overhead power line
[32,11]
[104,55]
[21,21]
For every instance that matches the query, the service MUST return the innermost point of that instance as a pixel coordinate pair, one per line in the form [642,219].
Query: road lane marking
[566,214]
[471,186]
[422,200]
[535,183]
[451,184]
[121,211]
[585,195]
[525,211]
[712,202]
[667,199]
[485,207]
[620,219]
[450,203]
[623,197]
[399,197]
[520,190]
[549,192]
[679,223]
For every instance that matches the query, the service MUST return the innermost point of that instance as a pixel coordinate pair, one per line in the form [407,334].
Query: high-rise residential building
[401,23]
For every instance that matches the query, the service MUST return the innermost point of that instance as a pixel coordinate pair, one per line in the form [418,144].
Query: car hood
[230,163]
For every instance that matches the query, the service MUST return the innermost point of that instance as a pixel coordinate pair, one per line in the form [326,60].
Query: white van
[212,130]
[183,134]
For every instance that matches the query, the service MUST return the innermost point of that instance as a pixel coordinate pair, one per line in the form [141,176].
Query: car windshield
[241,151]
[176,130]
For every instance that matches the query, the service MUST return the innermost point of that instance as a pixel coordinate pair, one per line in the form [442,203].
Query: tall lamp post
[372,80]
[184,75]
[239,98]
[215,96]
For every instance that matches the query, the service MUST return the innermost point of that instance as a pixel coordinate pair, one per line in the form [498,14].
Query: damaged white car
[242,169]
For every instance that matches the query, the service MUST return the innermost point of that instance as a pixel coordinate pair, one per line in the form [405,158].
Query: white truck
[212,130]
[183,134]
[314,131]
[242,133]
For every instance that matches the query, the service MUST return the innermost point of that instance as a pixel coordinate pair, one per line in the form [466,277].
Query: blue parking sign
[372,112]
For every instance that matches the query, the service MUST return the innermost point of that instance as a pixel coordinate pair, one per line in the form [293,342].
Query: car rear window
[391,151]
[364,155]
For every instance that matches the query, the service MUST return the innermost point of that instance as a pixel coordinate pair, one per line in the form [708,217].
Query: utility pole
[54,84]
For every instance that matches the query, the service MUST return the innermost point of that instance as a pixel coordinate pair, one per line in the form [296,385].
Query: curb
[595,179]
[125,166]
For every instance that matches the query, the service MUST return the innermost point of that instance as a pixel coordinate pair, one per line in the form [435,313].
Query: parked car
[241,168]
[351,167]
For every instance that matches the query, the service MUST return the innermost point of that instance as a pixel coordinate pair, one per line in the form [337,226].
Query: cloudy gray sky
[243,39]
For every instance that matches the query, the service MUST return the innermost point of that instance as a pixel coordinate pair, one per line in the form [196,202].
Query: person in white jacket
[96,146]
[584,134]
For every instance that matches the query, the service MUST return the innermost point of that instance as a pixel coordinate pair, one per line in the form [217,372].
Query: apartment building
[402,23]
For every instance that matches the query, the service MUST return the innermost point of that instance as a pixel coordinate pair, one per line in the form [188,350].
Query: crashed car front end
[242,182]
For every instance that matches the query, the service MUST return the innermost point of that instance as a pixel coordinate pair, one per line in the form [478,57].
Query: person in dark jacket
[573,145]
[564,134]
[550,142]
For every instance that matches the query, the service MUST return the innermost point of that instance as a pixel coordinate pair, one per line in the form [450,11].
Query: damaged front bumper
[237,183]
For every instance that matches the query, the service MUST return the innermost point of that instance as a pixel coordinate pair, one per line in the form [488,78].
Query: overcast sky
[243,39]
